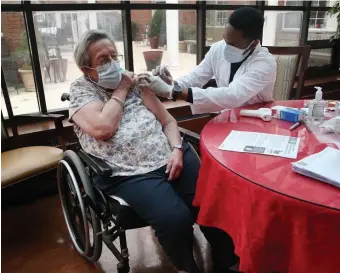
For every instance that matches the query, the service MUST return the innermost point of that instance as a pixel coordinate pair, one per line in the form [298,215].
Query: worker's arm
[197,77]
[260,75]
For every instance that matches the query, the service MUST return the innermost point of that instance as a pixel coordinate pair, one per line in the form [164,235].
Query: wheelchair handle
[65,96]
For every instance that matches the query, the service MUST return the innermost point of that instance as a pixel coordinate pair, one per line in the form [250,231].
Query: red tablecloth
[280,221]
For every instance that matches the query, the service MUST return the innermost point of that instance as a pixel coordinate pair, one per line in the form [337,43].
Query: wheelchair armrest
[190,136]
[97,165]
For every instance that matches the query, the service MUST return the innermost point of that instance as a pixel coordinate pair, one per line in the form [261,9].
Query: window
[175,48]
[284,34]
[217,18]
[57,33]
[215,23]
[222,17]
[328,3]
[321,25]
[16,65]
[284,3]
[317,18]
[232,2]
[292,19]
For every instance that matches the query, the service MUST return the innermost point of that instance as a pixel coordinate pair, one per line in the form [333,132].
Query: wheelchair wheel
[82,223]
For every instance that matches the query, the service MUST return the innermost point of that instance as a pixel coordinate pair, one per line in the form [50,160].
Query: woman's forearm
[172,133]
[106,123]
[113,109]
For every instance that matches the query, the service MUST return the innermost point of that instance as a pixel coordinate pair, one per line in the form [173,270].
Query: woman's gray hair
[80,54]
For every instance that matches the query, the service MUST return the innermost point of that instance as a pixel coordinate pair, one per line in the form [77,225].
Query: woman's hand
[127,81]
[175,164]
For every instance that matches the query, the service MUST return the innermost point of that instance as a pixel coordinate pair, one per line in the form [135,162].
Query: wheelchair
[91,216]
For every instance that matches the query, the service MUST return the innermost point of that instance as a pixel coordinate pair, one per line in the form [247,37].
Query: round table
[280,221]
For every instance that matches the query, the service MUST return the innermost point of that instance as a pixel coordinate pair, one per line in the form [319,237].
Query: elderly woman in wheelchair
[133,170]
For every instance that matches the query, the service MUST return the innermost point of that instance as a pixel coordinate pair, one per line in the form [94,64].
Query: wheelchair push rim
[74,186]
[82,245]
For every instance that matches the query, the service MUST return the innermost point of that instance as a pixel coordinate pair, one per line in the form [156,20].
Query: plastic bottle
[337,108]
[317,106]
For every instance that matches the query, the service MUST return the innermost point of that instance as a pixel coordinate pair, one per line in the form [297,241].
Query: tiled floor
[35,240]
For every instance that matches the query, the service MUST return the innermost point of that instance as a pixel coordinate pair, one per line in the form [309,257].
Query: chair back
[292,63]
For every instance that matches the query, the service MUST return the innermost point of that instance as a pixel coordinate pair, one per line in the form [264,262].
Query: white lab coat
[253,82]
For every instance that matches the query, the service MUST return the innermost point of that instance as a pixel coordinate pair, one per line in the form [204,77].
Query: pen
[295,126]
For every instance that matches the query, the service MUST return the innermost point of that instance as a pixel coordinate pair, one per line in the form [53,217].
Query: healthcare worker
[245,71]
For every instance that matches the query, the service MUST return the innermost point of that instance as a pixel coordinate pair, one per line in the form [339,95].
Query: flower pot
[154,42]
[27,79]
[182,46]
[152,58]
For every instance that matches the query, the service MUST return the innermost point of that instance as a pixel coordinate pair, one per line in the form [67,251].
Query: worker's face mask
[109,74]
[235,55]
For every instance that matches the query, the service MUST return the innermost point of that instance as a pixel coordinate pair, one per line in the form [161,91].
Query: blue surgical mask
[233,54]
[109,74]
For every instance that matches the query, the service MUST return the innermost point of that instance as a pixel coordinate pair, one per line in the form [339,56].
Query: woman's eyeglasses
[119,57]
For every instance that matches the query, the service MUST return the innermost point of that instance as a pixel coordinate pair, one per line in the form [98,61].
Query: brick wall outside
[141,18]
[12,26]
[187,17]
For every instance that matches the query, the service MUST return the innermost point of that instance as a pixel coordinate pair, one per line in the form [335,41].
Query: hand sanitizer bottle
[317,106]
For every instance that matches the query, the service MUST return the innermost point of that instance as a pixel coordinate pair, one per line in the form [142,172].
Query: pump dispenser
[317,106]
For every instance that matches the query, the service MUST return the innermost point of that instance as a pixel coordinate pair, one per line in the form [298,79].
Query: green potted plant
[155,28]
[154,57]
[24,61]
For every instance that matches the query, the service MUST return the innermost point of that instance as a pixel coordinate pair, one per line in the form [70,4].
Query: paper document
[324,166]
[260,143]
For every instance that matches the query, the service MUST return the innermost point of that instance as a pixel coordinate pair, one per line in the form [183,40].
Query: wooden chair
[20,161]
[292,63]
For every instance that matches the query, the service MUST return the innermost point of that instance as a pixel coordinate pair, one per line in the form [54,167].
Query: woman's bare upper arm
[88,116]
[156,107]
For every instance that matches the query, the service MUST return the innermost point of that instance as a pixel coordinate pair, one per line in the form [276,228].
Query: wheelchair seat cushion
[22,163]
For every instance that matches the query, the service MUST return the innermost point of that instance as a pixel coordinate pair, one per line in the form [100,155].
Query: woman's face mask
[235,55]
[109,74]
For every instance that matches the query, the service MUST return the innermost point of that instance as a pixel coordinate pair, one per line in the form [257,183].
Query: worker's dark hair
[248,20]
